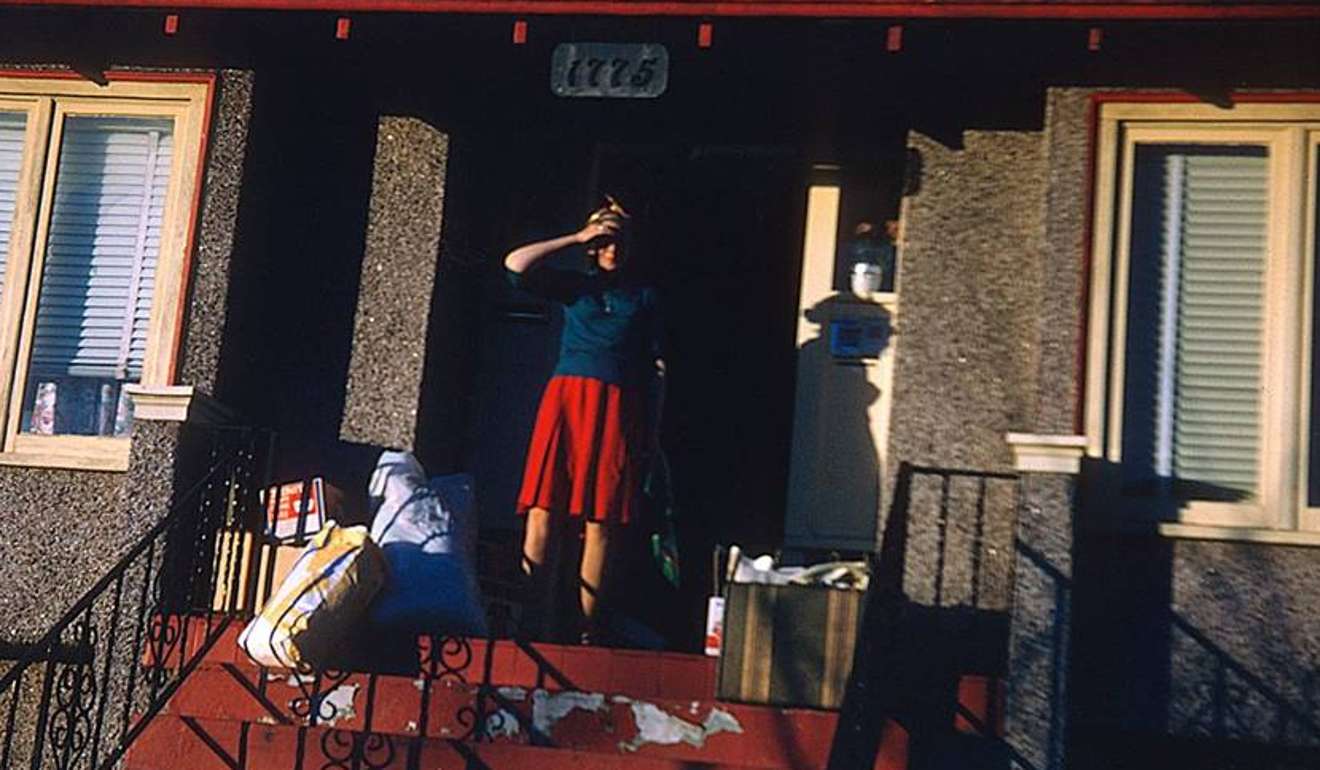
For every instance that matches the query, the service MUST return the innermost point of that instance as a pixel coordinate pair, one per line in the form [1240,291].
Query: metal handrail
[134,623]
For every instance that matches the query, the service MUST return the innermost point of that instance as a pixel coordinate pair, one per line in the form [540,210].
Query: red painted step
[172,744]
[642,673]
[590,707]
[619,725]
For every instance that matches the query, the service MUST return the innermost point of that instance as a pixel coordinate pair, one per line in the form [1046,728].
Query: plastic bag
[427,533]
[321,603]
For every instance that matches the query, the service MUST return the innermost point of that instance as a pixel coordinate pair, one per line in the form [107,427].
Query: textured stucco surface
[987,328]
[1062,278]
[966,358]
[398,276]
[216,226]
[63,529]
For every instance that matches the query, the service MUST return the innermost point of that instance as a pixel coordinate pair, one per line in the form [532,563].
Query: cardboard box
[788,645]
[248,571]
[284,505]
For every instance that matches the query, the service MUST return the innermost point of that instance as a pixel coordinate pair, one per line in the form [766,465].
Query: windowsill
[176,403]
[1136,526]
[1046,453]
[1239,534]
[74,453]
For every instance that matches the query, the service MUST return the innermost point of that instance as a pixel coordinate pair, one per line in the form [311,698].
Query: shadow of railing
[1230,686]
[923,616]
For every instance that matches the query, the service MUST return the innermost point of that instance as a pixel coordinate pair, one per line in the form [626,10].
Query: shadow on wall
[934,613]
[1185,654]
[1147,683]
[833,420]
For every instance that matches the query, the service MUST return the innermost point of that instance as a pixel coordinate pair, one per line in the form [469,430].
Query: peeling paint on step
[501,724]
[721,721]
[295,680]
[548,708]
[338,703]
[655,725]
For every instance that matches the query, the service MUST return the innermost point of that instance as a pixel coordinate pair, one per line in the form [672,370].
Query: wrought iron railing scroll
[78,697]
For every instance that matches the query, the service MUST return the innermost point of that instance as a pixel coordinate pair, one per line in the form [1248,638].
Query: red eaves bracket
[342,26]
[171,23]
[894,38]
[705,34]
[520,32]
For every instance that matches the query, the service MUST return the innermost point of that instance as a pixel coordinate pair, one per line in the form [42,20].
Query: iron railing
[80,695]
[445,665]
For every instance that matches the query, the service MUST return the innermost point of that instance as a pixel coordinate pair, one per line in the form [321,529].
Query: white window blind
[1192,402]
[12,128]
[99,273]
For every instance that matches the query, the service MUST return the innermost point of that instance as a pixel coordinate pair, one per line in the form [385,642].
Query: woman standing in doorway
[591,436]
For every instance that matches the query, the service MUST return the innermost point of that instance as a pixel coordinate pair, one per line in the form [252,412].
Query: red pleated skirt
[586,448]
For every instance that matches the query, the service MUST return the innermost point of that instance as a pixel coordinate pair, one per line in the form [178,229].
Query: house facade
[292,215]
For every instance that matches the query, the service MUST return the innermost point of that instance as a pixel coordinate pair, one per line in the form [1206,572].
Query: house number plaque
[609,70]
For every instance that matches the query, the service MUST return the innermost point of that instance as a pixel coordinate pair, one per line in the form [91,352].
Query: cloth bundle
[428,534]
[321,603]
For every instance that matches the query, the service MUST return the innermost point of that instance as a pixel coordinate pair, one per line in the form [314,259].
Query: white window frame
[47,100]
[1291,134]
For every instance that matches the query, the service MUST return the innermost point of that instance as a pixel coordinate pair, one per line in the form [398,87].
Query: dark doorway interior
[718,228]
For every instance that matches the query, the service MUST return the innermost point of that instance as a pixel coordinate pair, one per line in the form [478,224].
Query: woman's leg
[539,557]
[536,541]
[596,554]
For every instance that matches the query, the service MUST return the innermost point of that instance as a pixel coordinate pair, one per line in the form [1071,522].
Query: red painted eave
[931,9]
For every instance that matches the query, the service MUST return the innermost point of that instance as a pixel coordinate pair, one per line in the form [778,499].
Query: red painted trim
[1084,290]
[1088,258]
[120,75]
[932,9]
[190,244]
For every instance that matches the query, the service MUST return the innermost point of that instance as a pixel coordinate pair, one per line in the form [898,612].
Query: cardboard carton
[249,571]
[788,645]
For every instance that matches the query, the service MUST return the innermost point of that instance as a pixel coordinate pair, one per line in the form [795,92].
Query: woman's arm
[522,258]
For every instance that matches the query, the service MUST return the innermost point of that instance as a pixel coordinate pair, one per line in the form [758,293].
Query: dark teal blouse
[612,332]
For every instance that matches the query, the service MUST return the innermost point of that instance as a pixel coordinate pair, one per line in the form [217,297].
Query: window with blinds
[1196,309]
[99,274]
[97,187]
[12,131]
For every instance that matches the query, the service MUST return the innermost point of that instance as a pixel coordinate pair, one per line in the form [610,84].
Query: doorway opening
[717,229]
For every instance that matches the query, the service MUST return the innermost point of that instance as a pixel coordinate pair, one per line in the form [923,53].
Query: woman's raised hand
[605,228]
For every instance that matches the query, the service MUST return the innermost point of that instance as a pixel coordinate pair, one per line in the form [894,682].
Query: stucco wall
[966,353]
[398,277]
[63,529]
[985,284]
